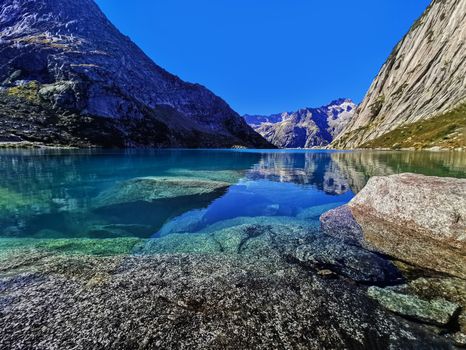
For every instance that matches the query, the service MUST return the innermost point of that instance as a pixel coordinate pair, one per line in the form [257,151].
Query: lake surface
[63,197]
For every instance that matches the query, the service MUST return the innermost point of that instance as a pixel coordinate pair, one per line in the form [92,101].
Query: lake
[108,201]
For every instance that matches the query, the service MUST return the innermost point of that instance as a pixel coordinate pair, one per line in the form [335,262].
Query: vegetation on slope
[446,131]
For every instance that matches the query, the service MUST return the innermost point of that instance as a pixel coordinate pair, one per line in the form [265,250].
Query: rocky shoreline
[420,222]
[242,283]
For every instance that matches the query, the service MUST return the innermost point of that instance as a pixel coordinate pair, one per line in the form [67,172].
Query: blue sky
[268,56]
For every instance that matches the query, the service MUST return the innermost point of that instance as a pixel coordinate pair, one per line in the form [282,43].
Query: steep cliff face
[306,128]
[423,79]
[68,76]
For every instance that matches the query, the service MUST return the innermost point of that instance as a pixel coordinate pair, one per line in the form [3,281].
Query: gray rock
[422,78]
[350,261]
[71,78]
[438,312]
[149,189]
[193,302]
[417,219]
[340,223]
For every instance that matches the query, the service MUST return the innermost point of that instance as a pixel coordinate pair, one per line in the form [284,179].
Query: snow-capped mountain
[305,128]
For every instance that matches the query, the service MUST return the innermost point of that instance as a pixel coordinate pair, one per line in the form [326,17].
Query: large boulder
[149,189]
[415,218]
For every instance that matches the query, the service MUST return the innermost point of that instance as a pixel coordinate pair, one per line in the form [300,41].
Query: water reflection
[52,193]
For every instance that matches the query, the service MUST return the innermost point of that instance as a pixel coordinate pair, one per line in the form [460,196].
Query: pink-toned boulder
[414,218]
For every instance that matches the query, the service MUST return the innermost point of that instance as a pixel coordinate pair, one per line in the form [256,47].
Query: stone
[437,312]
[417,219]
[346,260]
[451,289]
[340,223]
[149,189]
[195,301]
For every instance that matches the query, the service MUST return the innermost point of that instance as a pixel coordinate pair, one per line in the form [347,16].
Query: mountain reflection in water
[58,193]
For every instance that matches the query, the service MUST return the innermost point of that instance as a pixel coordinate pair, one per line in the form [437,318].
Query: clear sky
[268,56]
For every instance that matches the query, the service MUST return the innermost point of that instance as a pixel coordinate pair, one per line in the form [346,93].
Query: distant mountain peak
[306,127]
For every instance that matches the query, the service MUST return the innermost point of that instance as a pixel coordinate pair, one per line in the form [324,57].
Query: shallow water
[58,196]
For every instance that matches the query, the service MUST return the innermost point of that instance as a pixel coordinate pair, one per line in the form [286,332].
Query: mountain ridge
[422,79]
[72,70]
[306,127]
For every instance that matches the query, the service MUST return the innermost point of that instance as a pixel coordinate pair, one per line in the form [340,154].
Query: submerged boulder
[353,262]
[149,189]
[438,312]
[415,218]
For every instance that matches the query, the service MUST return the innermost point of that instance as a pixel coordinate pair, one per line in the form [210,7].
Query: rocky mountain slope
[306,128]
[423,79]
[68,76]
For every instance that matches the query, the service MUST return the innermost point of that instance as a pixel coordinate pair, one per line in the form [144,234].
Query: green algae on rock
[150,189]
[438,312]
[79,246]
[228,176]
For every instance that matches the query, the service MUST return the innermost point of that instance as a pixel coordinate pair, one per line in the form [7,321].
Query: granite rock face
[68,76]
[355,263]
[306,128]
[413,218]
[340,223]
[423,78]
[416,218]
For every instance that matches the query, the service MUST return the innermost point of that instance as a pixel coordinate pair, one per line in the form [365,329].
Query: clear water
[98,194]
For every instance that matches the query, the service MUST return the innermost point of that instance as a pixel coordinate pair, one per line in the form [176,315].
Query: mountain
[68,76]
[418,99]
[306,128]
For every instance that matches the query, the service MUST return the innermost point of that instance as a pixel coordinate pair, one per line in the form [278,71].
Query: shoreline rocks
[413,218]
[438,312]
[418,220]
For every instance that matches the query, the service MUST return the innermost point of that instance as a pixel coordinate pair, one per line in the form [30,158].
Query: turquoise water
[106,194]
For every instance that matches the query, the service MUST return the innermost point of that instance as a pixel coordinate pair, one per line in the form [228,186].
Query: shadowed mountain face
[306,128]
[418,98]
[68,76]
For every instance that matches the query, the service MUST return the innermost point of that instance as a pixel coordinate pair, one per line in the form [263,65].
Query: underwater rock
[229,176]
[313,213]
[346,260]
[451,289]
[252,239]
[150,189]
[179,243]
[118,230]
[416,218]
[340,223]
[437,312]
[9,247]
[188,222]
[194,301]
